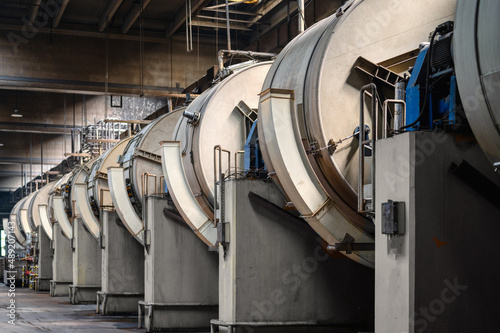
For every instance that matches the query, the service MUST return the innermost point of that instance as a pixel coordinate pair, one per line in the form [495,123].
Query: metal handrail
[160,187]
[362,142]
[101,199]
[239,152]
[219,179]
[386,106]
[145,182]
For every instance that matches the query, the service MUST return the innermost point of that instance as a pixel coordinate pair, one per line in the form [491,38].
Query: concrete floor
[38,312]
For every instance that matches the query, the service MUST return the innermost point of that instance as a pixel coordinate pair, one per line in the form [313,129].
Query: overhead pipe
[9,130]
[249,54]
[302,24]
[228,27]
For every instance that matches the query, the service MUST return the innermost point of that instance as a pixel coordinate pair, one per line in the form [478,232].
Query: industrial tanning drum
[65,207]
[311,99]
[55,191]
[39,209]
[24,215]
[31,217]
[93,193]
[140,172]
[476,53]
[14,217]
[221,116]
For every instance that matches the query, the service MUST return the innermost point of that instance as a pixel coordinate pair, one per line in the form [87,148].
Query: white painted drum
[219,124]
[139,173]
[24,214]
[188,160]
[315,67]
[93,192]
[476,47]
[14,217]
[64,204]
[42,198]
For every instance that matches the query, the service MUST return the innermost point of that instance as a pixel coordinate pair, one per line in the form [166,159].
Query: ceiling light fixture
[1,144]
[16,113]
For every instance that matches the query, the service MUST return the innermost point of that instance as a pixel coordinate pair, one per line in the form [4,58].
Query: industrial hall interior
[249,166]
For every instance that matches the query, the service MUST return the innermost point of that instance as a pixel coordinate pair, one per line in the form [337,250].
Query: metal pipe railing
[402,116]
[218,179]
[361,145]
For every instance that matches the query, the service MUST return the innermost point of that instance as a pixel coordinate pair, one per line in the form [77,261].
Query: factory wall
[46,117]
[55,61]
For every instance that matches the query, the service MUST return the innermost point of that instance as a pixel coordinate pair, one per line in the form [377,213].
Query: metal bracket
[101,241]
[343,9]
[147,155]
[247,111]
[213,249]
[223,233]
[147,239]
[348,246]
[102,175]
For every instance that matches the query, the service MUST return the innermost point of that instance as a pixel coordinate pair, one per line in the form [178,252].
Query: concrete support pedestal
[42,284]
[439,275]
[14,274]
[45,256]
[62,264]
[122,269]
[275,277]
[86,265]
[181,275]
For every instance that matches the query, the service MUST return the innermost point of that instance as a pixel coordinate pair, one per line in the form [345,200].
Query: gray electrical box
[393,218]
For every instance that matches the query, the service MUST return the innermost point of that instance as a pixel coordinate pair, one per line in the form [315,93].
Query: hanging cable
[65,145]
[217,32]
[141,50]
[187,28]
[190,28]
[198,50]
[106,77]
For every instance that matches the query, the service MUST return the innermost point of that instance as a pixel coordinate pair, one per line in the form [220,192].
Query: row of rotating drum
[302,99]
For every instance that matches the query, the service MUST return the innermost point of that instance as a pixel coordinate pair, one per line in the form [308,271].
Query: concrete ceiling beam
[34,11]
[133,15]
[264,10]
[60,12]
[108,13]
[180,16]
